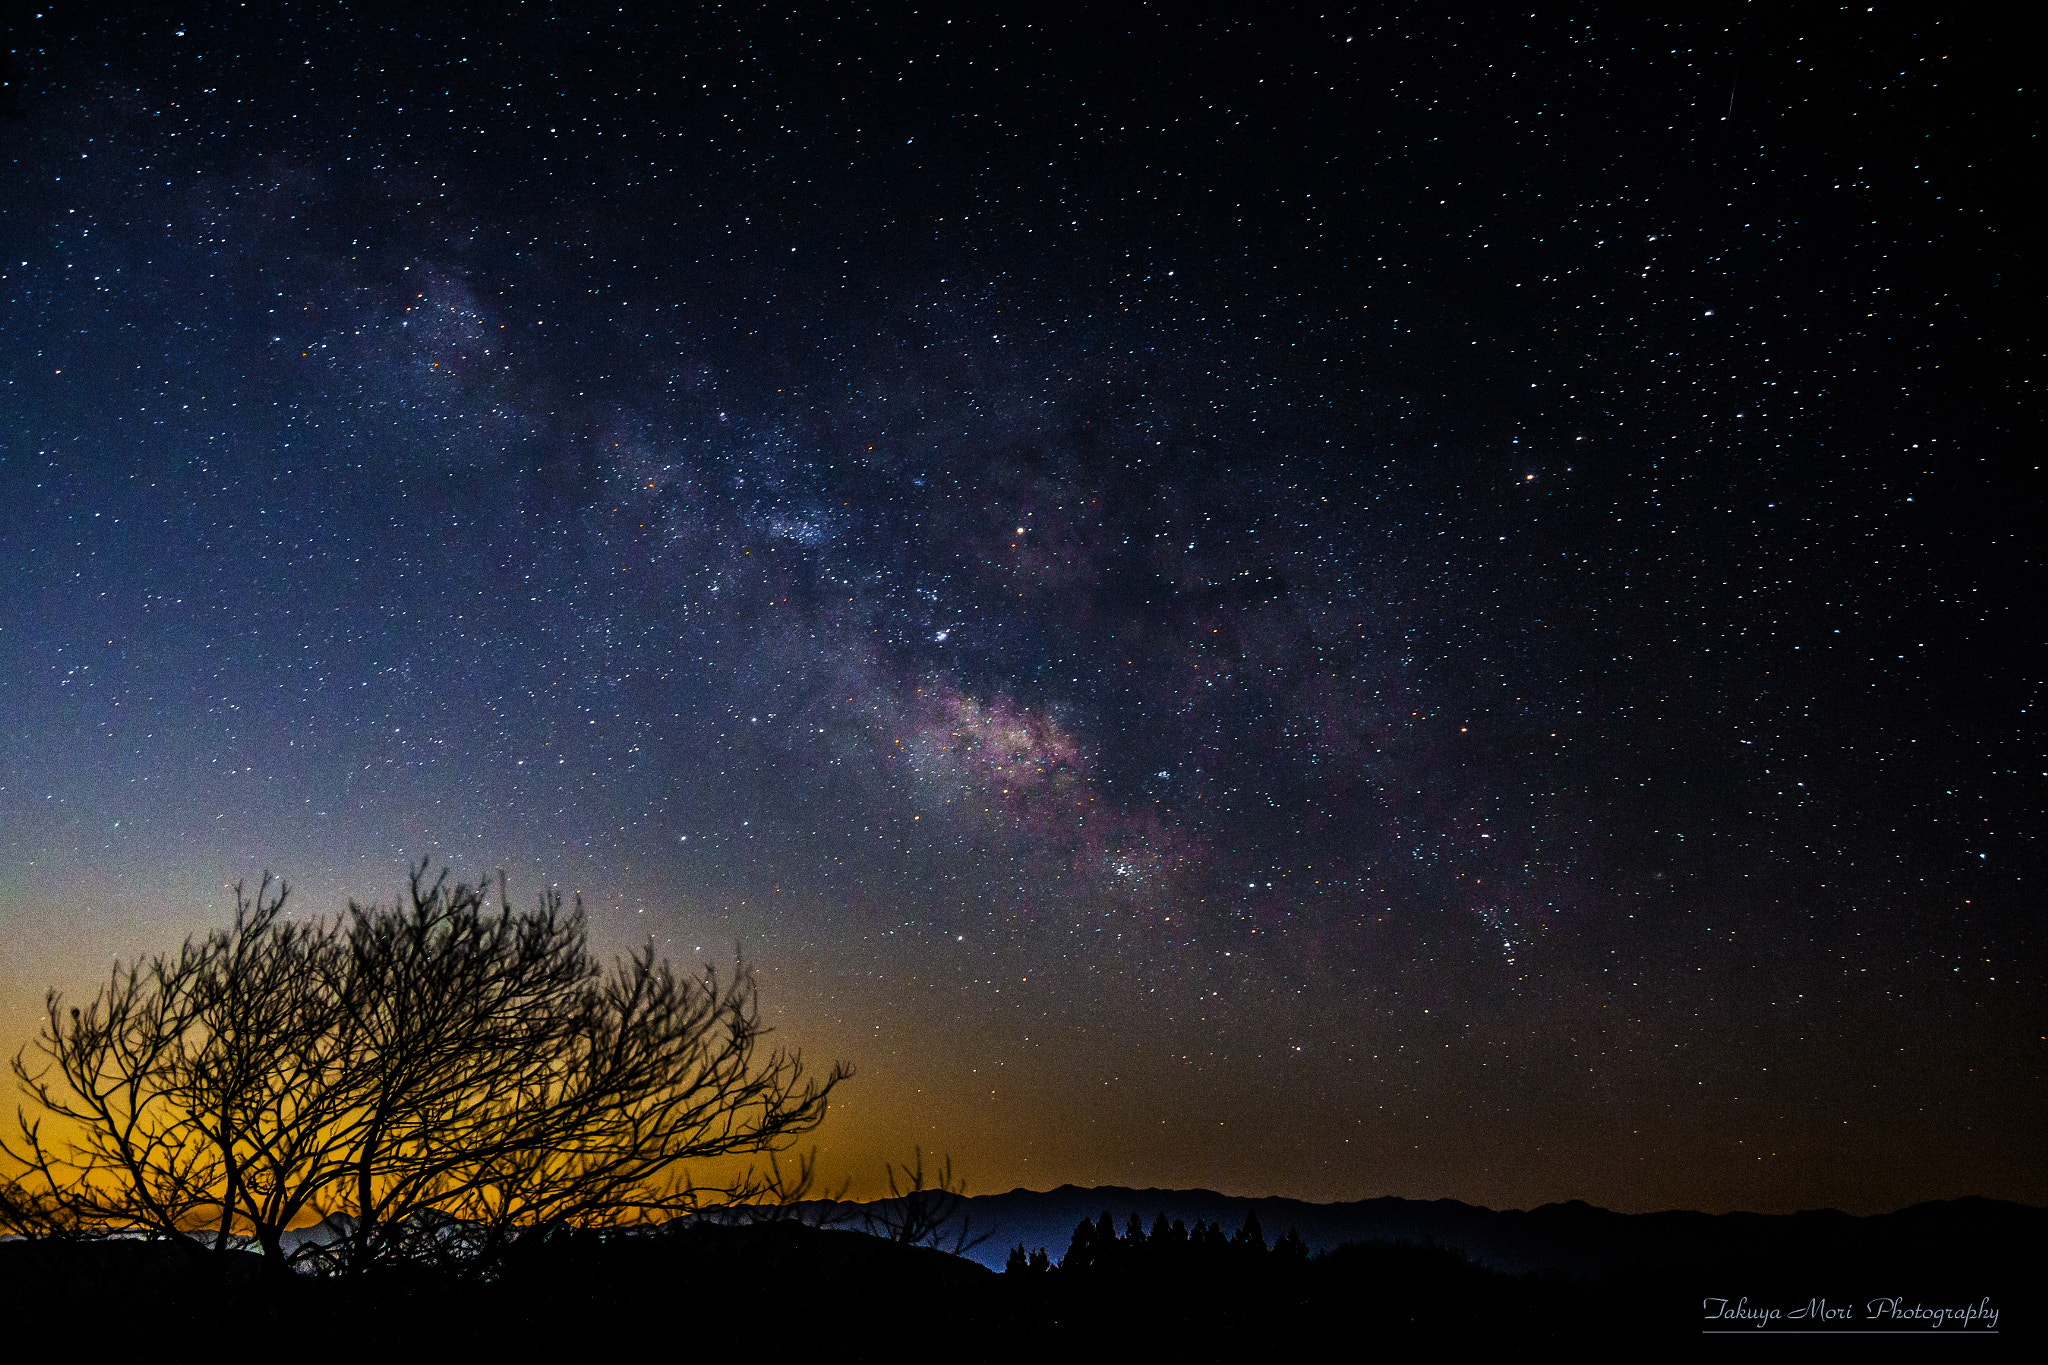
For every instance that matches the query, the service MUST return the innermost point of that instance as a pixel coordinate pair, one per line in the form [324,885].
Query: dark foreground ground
[775,1290]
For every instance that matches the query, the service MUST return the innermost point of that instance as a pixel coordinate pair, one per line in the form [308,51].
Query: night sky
[1393,602]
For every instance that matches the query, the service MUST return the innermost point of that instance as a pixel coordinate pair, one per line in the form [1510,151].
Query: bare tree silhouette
[924,1210]
[779,1194]
[435,1080]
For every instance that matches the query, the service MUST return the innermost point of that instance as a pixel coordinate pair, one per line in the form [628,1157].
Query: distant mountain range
[1417,1274]
[1574,1238]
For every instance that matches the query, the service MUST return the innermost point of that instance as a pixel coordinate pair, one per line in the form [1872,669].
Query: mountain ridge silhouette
[1569,1236]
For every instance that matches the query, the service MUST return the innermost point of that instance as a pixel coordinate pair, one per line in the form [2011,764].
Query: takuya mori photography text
[1882,1314]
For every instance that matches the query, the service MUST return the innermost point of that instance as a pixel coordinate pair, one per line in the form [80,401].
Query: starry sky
[1417,601]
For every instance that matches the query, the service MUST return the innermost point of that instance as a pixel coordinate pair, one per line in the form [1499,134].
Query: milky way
[1384,605]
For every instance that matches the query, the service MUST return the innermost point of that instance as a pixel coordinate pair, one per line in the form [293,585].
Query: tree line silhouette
[1198,1289]
[1170,1248]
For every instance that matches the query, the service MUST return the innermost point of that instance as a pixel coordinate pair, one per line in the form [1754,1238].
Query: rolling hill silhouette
[1390,1273]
